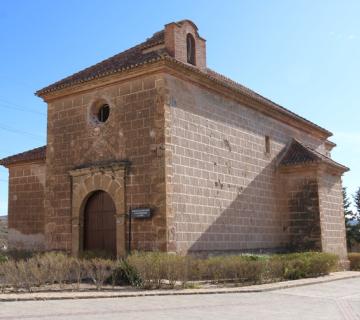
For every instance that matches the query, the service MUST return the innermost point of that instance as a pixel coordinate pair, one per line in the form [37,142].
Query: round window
[103,113]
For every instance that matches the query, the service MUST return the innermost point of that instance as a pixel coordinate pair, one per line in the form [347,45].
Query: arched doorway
[100,223]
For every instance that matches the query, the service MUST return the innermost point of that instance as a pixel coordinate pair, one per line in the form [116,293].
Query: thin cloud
[342,36]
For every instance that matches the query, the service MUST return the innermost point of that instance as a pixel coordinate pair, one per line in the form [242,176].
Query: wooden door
[99,223]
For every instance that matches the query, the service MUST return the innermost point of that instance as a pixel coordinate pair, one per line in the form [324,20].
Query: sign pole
[129,241]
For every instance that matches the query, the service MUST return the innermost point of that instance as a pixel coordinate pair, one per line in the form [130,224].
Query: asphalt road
[333,300]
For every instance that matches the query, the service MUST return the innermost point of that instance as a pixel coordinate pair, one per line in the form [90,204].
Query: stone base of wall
[20,241]
[209,253]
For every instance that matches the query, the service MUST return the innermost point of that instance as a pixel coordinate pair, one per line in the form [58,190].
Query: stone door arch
[109,178]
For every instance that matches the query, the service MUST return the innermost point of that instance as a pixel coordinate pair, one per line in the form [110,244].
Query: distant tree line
[352,219]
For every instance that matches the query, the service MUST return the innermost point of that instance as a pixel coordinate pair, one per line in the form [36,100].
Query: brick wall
[175,42]
[26,206]
[134,131]
[223,193]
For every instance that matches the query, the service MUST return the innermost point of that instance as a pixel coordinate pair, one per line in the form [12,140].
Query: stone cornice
[103,168]
[119,77]
[193,74]
[24,163]
[189,73]
[312,167]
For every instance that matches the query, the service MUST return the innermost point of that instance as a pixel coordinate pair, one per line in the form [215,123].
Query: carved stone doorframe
[85,181]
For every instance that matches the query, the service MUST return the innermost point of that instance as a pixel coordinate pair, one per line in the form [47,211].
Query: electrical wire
[23,110]
[18,106]
[30,135]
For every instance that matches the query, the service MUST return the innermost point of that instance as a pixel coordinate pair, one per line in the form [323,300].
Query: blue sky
[301,54]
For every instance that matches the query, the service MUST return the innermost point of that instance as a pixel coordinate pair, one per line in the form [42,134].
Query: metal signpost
[139,213]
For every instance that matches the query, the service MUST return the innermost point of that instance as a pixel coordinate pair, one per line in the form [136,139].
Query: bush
[55,267]
[155,269]
[149,268]
[3,258]
[162,270]
[354,259]
[239,269]
[99,270]
[125,274]
[49,268]
[304,265]
[19,254]
[175,268]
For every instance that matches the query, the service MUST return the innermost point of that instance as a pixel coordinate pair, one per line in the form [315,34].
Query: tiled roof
[137,56]
[259,97]
[124,60]
[299,154]
[27,156]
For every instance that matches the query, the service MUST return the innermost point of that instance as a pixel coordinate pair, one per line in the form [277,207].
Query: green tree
[352,224]
[357,202]
[348,213]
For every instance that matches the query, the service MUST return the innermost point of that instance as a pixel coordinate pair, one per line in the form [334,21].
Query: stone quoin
[221,168]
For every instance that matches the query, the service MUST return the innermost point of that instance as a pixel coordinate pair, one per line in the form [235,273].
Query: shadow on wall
[249,216]
[255,221]
[286,219]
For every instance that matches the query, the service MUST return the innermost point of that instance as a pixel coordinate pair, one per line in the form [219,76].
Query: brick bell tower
[184,43]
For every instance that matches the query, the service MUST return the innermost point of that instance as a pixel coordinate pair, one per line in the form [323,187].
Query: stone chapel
[201,163]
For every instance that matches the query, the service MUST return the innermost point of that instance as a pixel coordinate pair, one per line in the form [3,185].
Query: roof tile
[299,154]
[136,56]
[27,156]
[116,63]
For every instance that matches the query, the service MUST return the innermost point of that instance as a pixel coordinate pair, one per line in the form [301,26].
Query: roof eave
[275,111]
[16,163]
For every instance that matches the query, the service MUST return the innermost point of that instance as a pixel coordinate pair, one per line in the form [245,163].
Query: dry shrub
[354,261]
[159,270]
[125,274]
[241,269]
[55,268]
[77,271]
[49,268]
[213,269]
[148,267]
[8,272]
[99,270]
[273,270]
[20,254]
[247,269]
[162,270]
[175,269]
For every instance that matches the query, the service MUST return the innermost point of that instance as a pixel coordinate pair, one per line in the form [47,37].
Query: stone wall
[223,193]
[332,214]
[134,132]
[26,206]
[302,203]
